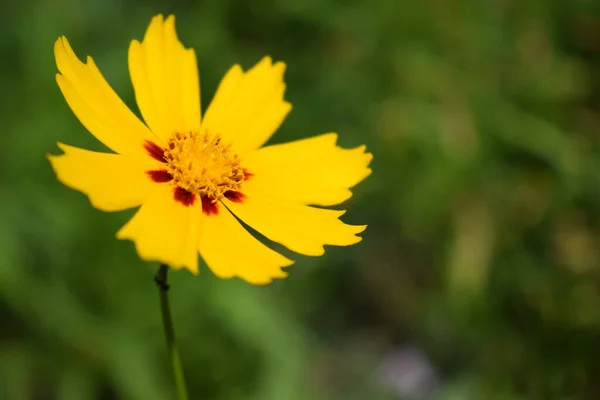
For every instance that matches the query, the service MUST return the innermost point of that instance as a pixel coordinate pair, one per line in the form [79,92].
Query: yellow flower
[191,175]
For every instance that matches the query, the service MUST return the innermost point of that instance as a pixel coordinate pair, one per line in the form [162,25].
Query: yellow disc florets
[200,163]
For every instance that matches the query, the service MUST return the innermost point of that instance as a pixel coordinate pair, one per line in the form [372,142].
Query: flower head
[191,175]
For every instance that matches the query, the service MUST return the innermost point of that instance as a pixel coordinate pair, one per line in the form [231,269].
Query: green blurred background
[479,274]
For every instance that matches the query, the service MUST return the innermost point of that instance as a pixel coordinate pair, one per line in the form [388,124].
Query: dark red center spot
[247,174]
[209,207]
[155,151]
[160,175]
[183,196]
[236,197]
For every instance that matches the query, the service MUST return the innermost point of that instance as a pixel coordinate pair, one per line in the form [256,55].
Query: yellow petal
[96,105]
[300,228]
[249,107]
[308,171]
[229,251]
[165,78]
[112,182]
[165,231]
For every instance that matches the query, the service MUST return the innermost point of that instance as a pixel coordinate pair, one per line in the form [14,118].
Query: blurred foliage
[483,208]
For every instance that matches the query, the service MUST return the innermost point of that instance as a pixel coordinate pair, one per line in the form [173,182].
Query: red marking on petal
[184,197]
[208,207]
[160,175]
[155,151]
[236,197]
[247,174]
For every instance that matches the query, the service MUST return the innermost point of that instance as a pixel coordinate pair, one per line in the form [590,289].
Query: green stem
[163,286]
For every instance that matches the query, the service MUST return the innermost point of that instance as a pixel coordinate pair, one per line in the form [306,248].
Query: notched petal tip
[156,25]
[160,22]
[169,24]
[58,43]
[332,138]
[65,148]
[361,158]
[53,159]
[359,228]
[193,269]
[287,107]
[61,42]
[279,69]
[134,43]
[269,280]
[64,54]
[350,238]
[158,18]
[361,149]
[275,70]
[267,59]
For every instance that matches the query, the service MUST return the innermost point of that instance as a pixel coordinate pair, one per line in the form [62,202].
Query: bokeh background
[479,274]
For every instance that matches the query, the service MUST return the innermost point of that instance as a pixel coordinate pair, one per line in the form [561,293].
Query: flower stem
[163,286]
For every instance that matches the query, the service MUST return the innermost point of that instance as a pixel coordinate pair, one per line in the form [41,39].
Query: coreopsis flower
[191,176]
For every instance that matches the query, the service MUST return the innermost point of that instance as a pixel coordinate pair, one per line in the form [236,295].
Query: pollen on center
[199,166]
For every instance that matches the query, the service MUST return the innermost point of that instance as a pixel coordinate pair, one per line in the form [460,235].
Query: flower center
[201,164]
